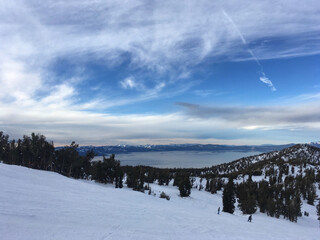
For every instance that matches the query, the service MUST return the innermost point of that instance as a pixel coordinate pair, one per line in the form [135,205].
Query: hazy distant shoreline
[121,149]
[180,159]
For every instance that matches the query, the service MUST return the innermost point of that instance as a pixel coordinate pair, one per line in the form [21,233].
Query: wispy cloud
[267,81]
[235,27]
[16,80]
[206,93]
[131,83]
[167,39]
[157,36]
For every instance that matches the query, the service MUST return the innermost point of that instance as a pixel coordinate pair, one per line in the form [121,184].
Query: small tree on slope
[228,197]
[318,210]
[185,186]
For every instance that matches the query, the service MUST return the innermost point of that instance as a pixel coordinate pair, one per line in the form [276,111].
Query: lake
[179,159]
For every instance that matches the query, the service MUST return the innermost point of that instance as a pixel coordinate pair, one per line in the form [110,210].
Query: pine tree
[294,208]
[207,185]
[228,197]
[318,210]
[246,193]
[177,178]
[292,170]
[271,207]
[311,194]
[4,148]
[164,177]
[133,178]
[262,198]
[185,186]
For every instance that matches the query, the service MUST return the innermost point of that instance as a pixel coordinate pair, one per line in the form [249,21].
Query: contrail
[234,26]
[263,78]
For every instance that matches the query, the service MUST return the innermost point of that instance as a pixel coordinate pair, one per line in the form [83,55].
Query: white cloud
[267,81]
[17,81]
[59,97]
[131,83]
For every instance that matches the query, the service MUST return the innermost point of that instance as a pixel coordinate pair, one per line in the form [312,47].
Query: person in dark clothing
[219,210]
[250,218]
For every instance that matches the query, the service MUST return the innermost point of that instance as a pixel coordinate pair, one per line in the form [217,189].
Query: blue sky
[159,72]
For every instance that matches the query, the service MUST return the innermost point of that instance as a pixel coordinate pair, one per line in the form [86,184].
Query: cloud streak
[273,117]
[235,27]
[262,78]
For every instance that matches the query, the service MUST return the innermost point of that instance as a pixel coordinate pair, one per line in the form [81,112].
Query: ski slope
[45,205]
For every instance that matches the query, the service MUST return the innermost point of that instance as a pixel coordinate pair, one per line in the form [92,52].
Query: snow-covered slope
[44,205]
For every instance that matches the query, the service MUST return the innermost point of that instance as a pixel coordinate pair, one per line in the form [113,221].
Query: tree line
[279,193]
[36,152]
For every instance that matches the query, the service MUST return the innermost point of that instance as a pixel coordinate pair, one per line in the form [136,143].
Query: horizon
[175,72]
[170,144]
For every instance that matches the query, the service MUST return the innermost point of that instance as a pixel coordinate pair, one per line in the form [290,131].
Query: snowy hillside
[315,144]
[38,204]
[297,152]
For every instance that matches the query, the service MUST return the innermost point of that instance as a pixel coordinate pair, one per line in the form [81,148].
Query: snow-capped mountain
[315,144]
[301,152]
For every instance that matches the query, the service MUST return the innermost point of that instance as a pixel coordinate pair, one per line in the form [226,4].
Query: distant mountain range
[107,150]
[315,144]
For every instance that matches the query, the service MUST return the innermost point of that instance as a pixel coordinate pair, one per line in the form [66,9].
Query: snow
[45,205]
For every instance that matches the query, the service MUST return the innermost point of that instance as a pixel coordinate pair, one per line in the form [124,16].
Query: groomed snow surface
[45,205]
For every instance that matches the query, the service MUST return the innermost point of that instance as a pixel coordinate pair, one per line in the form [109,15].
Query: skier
[250,218]
[219,210]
